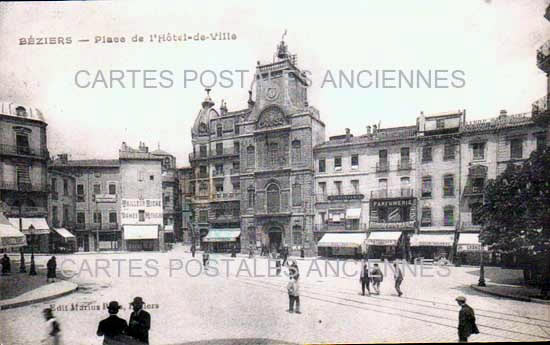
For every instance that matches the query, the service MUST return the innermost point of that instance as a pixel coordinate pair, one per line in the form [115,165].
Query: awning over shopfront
[432,240]
[222,235]
[140,232]
[64,233]
[353,213]
[342,240]
[39,225]
[384,238]
[169,228]
[9,235]
[469,242]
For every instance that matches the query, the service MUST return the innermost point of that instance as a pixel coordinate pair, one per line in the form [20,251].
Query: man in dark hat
[140,322]
[113,327]
[6,265]
[466,320]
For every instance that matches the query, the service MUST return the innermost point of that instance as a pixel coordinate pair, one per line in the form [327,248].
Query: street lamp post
[32,270]
[22,268]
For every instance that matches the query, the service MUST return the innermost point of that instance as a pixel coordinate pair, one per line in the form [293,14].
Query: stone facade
[23,167]
[267,149]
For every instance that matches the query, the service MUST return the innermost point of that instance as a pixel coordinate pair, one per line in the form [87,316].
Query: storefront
[169,234]
[62,241]
[341,244]
[10,237]
[37,231]
[223,240]
[431,246]
[469,250]
[141,237]
[384,245]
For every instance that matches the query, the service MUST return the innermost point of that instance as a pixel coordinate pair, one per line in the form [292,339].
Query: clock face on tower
[271,93]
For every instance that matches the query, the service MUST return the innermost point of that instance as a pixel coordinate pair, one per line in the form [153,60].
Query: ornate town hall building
[253,169]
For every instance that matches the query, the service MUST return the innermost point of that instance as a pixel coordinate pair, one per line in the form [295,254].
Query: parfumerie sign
[141,211]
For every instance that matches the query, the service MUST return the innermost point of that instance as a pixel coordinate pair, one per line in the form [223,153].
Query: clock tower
[281,82]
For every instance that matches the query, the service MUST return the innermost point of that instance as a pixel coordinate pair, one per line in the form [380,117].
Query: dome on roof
[202,122]
[22,111]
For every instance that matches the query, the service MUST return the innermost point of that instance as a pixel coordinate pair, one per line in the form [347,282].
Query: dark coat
[466,322]
[140,330]
[112,328]
[364,276]
[6,264]
[52,266]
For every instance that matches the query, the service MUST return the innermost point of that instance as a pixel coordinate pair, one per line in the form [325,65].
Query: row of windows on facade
[448,186]
[478,153]
[219,130]
[275,154]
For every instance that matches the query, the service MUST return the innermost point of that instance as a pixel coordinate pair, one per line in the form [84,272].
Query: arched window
[273,198]
[250,156]
[296,151]
[251,197]
[297,235]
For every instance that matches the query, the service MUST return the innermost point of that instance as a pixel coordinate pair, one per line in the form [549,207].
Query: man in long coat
[466,320]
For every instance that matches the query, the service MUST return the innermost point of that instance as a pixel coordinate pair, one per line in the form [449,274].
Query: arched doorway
[274,237]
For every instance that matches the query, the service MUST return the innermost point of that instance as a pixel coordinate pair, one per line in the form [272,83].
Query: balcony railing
[543,57]
[96,226]
[195,156]
[226,196]
[24,187]
[404,164]
[339,197]
[23,150]
[107,198]
[28,211]
[227,151]
[382,166]
[392,193]
[218,173]
[343,226]
[235,171]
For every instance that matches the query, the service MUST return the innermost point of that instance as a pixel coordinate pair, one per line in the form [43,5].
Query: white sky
[493,42]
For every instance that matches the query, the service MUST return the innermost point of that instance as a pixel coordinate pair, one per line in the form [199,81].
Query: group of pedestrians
[375,277]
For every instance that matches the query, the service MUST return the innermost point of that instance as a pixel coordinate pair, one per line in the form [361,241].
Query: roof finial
[207,103]
[282,51]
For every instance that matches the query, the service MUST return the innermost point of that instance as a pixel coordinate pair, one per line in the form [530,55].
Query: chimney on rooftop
[368,130]
[503,113]
[374,129]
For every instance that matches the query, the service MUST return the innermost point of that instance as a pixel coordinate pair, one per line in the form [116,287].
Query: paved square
[238,299]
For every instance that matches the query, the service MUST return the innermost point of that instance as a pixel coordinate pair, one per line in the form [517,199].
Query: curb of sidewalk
[509,296]
[6,304]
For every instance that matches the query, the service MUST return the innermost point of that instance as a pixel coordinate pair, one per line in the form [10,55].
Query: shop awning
[469,242]
[342,240]
[140,232]
[40,225]
[353,213]
[9,235]
[64,233]
[384,238]
[222,235]
[169,228]
[432,240]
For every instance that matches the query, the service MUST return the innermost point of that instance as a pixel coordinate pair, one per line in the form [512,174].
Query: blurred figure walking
[53,331]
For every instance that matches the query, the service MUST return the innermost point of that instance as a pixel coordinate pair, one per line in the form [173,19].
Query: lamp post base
[22,268]
[481,281]
[32,270]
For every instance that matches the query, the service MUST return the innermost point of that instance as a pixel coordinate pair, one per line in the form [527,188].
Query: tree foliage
[516,206]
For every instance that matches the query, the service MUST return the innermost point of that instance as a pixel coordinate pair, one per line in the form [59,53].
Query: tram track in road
[396,311]
[452,308]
